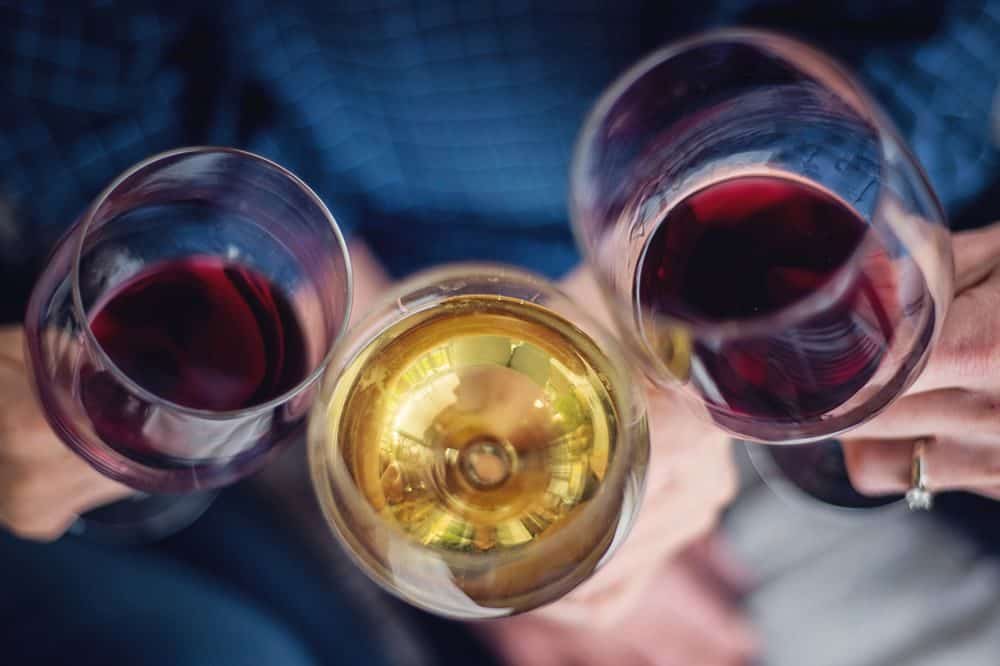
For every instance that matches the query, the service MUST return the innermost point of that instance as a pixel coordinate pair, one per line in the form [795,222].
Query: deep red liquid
[203,333]
[752,246]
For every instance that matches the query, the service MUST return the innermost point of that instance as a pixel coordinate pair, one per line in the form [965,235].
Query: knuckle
[968,356]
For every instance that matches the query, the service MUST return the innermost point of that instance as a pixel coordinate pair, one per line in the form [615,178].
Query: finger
[601,602]
[691,622]
[94,490]
[977,254]
[966,355]
[680,639]
[710,628]
[993,492]
[526,647]
[880,467]
[522,641]
[42,508]
[952,413]
[687,452]
[712,559]
[601,648]
[531,641]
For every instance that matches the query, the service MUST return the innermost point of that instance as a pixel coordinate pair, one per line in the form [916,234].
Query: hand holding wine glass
[767,243]
[690,480]
[686,612]
[44,486]
[175,336]
[955,403]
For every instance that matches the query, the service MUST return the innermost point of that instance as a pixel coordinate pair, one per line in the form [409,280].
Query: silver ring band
[919,497]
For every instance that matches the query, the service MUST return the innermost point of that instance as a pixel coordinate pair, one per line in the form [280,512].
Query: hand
[44,486]
[684,613]
[957,398]
[691,478]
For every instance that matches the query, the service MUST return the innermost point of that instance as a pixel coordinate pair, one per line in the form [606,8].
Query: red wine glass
[177,333]
[765,240]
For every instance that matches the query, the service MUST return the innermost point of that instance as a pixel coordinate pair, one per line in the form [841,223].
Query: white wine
[478,425]
[480,433]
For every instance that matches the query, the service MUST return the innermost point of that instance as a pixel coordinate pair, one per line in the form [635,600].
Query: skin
[682,610]
[956,400]
[43,485]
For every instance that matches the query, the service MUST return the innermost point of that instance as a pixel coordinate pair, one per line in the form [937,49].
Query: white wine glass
[479,446]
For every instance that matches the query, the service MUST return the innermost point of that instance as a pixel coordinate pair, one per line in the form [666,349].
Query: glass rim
[88,218]
[809,59]
[626,385]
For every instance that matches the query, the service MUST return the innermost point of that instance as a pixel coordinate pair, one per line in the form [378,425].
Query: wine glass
[478,446]
[767,242]
[177,334]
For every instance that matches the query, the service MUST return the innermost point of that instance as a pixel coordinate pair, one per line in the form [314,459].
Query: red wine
[200,332]
[745,248]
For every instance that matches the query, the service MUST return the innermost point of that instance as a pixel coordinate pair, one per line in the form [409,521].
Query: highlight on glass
[479,446]
[768,244]
[178,332]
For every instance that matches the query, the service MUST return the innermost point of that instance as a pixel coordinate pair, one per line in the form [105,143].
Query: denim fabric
[233,590]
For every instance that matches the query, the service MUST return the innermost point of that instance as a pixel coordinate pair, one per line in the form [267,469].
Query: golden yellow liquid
[480,425]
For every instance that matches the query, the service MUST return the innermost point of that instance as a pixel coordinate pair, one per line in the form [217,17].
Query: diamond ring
[919,497]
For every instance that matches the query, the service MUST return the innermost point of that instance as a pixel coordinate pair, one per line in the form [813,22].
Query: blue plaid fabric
[438,129]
